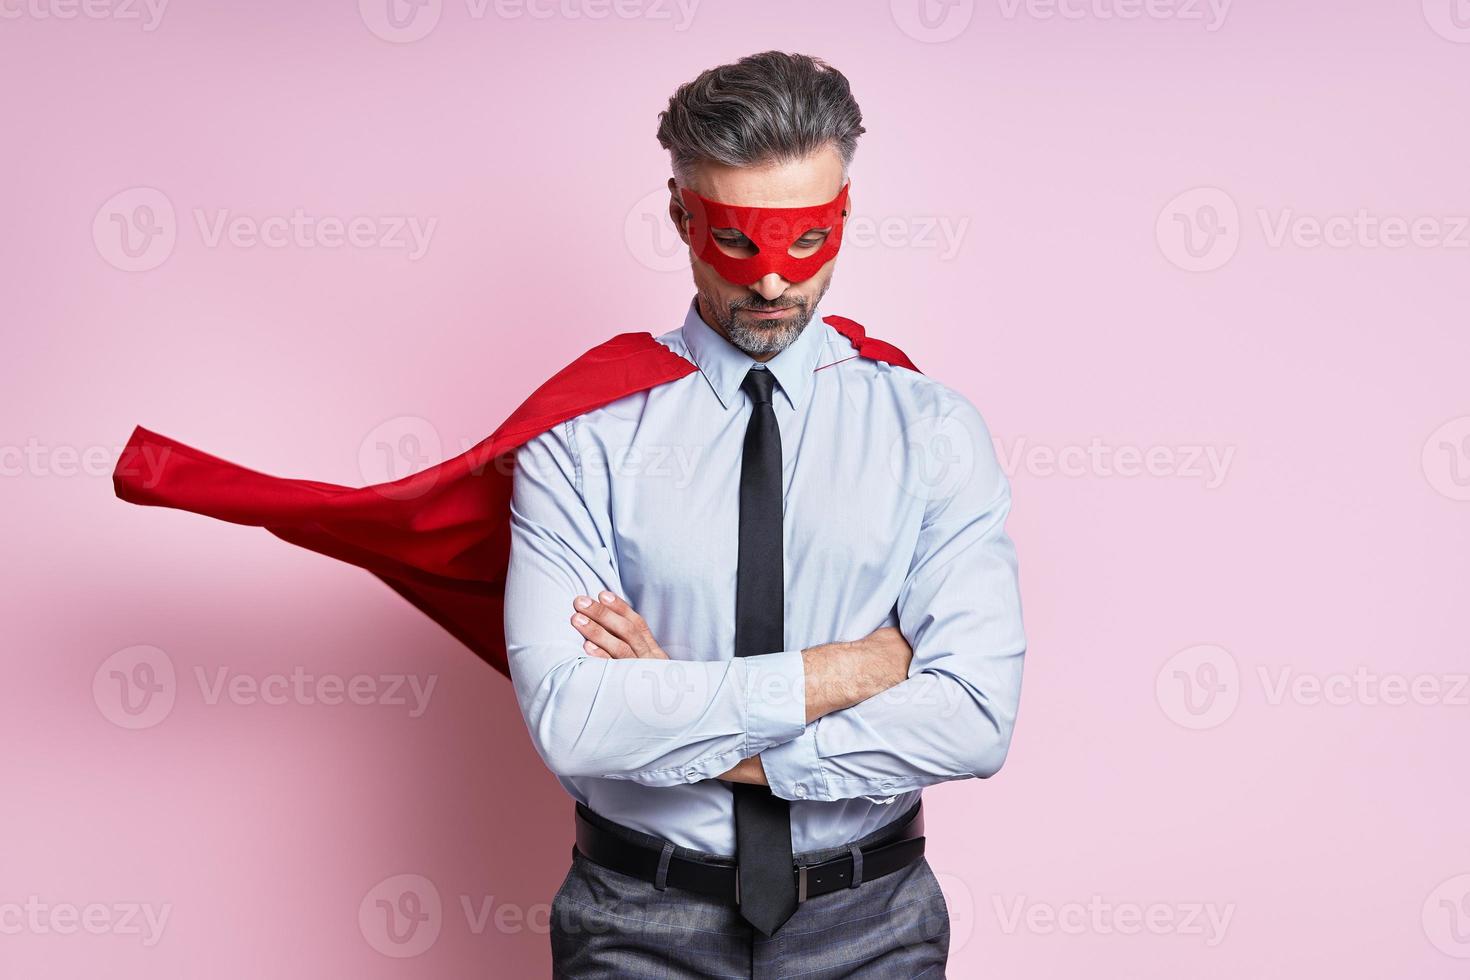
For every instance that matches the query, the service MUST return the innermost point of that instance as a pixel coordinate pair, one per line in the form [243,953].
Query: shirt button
[801,792]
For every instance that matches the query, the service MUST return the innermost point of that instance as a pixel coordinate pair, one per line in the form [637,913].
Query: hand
[613,630]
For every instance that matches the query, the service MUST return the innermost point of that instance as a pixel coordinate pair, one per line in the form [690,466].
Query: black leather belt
[894,847]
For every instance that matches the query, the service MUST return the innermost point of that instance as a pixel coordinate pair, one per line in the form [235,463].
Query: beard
[757,337]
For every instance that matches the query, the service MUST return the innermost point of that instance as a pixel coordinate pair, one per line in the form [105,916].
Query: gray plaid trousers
[605,924]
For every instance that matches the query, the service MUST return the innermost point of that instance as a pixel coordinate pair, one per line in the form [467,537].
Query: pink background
[1160,770]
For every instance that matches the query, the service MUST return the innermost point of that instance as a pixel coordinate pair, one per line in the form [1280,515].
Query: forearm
[661,722]
[842,674]
[953,718]
[932,728]
[838,676]
[658,722]
[669,722]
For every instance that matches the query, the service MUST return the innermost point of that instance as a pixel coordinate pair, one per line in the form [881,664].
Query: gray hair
[771,107]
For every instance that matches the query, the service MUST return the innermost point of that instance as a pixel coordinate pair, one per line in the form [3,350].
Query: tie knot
[758,384]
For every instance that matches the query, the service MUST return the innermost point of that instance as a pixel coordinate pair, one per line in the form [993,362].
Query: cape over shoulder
[440,537]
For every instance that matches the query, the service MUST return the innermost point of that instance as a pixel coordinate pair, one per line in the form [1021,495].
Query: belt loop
[857,865]
[660,880]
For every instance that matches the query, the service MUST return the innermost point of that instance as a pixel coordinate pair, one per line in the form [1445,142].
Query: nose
[771,286]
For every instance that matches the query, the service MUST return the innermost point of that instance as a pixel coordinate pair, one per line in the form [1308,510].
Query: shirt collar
[725,366]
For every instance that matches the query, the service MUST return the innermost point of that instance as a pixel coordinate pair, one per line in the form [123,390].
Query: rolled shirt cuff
[774,685]
[794,770]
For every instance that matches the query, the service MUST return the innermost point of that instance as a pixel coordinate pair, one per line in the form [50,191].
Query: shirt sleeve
[960,610]
[657,722]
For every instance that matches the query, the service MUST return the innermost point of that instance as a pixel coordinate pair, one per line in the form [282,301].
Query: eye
[733,243]
[809,241]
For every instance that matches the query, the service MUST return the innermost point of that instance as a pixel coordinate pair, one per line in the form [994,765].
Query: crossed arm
[930,701]
[837,675]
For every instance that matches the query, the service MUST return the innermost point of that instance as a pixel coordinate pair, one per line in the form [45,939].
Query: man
[751,612]
[750,578]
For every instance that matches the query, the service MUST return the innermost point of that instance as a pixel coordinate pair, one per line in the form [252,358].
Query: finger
[619,605]
[614,622]
[595,632]
[634,629]
[586,626]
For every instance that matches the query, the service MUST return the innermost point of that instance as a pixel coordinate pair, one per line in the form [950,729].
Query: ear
[677,212]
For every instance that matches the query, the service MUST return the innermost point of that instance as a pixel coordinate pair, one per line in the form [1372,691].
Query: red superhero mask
[773,231]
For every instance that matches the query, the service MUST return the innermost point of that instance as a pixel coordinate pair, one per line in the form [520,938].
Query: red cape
[440,537]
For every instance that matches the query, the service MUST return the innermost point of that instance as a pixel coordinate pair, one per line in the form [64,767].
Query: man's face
[761,318]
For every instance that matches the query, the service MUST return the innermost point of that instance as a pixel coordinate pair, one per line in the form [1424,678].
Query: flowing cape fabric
[440,537]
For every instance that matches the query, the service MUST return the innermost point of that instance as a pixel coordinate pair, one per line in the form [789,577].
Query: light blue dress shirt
[895,506]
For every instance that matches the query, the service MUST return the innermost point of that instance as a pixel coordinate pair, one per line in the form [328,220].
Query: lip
[770,314]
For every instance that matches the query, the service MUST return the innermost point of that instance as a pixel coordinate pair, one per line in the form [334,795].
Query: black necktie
[762,820]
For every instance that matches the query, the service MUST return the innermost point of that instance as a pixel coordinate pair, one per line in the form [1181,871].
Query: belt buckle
[800,883]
